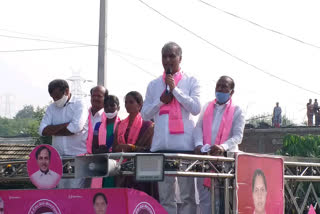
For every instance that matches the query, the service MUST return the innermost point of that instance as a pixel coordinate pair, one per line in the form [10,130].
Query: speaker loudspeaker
[95,166]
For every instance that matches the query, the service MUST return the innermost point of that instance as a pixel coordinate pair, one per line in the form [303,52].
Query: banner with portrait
[260,186]
[89,201]
[44,167]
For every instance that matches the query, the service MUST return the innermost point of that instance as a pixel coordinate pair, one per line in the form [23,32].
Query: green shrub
[302,146]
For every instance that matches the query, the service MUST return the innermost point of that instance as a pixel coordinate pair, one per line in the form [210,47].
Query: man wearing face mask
[64,120]
[219,129]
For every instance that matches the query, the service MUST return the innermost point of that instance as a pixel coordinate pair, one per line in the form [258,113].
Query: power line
[260,26]
[41,36]
[226,52]
[64,42]
[46,40]
[128,61]
[46,49]
[131,55]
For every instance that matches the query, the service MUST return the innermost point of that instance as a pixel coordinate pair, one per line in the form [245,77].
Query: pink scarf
[102,135]
[225,125]
[134,130]
[224,129]
[173,109]
[90,131]
[102,139]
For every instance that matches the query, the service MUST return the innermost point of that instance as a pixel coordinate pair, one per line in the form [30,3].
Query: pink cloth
[90,131]
[311,210]
[173,109]
[225,125]
[102,134]
[102,139]
[224,129]
[134,130]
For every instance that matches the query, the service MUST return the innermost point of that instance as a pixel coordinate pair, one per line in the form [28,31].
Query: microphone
[168,71]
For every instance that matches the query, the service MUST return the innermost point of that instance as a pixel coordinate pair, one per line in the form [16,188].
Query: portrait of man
[44,178]
[100,203]
[259,191]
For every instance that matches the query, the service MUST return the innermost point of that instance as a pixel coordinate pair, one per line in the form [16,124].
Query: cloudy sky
[271,48]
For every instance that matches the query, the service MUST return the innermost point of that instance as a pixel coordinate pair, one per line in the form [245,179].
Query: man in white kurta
[224,91]
[162,91]
[64,120]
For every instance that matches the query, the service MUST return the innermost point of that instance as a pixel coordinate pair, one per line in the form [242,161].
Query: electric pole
[102,48]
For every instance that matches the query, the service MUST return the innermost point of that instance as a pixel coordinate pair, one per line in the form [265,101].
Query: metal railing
[300,178]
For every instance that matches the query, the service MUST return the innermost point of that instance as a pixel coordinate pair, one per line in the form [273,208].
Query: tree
[26,112]
[33,128]
[26,123]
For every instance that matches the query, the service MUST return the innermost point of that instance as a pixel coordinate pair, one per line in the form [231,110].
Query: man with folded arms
[64,121]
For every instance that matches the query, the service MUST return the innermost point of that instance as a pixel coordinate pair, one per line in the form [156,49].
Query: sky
[270,48]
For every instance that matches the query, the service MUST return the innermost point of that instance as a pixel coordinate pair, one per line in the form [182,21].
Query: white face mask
[111,115]
[60,103]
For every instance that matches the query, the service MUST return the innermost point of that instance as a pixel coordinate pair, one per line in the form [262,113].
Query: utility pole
[7,104]
[76,85]
[102,49]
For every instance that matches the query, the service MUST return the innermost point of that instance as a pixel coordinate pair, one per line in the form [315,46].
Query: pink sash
[224,129]
[225,125]
[102,139]
[90,131]
[102,134]
[134,130]
[173,109]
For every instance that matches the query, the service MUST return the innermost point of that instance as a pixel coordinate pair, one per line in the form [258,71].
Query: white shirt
[94,120]
[45,181]
[74,113]
[187,93]
[236,132]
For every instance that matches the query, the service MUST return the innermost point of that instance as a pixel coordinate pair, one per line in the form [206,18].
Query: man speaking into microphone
[170,99]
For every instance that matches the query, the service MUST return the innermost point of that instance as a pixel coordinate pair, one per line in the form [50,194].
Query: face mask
[60,103]
[111,115]
[222,97]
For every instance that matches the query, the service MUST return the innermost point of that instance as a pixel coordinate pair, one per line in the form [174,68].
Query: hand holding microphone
[167,96]
[169,80]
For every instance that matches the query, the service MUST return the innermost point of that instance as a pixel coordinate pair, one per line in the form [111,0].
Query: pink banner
[89,201]
[260,186]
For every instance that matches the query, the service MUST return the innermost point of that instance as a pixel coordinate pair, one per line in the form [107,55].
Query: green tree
[33,128]
[25,123]
[26,112]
